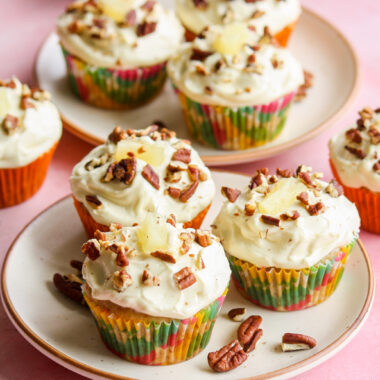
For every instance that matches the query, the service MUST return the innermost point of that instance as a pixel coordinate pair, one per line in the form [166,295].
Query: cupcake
[287,238]
[355,162]
[30,128]
[116,50]
[140,172]
[155,289]
[280,16]
[235,87]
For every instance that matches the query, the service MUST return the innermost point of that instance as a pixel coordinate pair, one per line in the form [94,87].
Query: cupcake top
[156,268]
[120,33]
[276,14]
[139,172]
[286,221]
[355,152]
[29,123]
[234,65]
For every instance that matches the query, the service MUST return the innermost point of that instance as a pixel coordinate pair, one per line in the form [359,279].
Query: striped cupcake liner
[156,342]
[289,289]
[366,201]
[235,128]
[19,184]
[114,88]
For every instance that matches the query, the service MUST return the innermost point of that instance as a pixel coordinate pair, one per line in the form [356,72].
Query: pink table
[24,25]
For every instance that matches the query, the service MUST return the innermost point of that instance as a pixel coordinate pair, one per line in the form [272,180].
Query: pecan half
[184,278]
[356,152]
[295,342]
[237,314]
[91,249]
[145,28]
[230,194]
[199,55]
[188,192]
[267,219]
[203,238]
[71,289]
[121,280]
[9,124]
[248,332]
[94,201]
[151,176]
[354,135]
[163,256]
[149,280]
[76,264]
[227,358]
[183,155]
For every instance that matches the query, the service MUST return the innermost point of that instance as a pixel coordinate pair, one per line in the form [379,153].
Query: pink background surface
[24,24]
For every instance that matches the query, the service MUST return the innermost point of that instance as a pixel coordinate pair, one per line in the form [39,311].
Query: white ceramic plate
[321,49]
[66,333]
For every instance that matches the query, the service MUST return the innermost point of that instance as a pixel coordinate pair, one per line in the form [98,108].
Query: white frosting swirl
[277,14]
[121,47]
[352,171]
[39,127]
[295,244]
[127,204]
[165,300]
[233,84]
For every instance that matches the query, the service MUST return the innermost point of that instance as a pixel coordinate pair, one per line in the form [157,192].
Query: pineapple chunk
[282,196]
[116,9]
[232,39]
[152,235]
[151,154]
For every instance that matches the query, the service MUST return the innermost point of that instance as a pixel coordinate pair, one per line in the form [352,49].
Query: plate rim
[58,356]
[243,156]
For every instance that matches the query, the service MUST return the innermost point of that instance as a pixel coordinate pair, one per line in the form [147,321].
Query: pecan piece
[76,264]
[193,172]
[267,219]
[121,280]
[91,249]
[183,155]
[148,5]
[99,235]
[201,4]
[366,113]
[305,177]
[173,176]
[130,18]
[230,194]
[295,215]
[174,192]
[26,103]
[188,192]
[151,176]
[149,280]
[376,167]
[9,124]
[249,332]
[94,201]
[237,314]
[249,209]
[187,239]
[171,219]
[145,28]
[303,198]
[334,189]
[286,173]
[227,358]
[256,181]
[184,278]
[316,208]
[354,135]
[71,289]
[356,152]
[124,171]
[163,256]
[374,134]
[295,342]
[117,135]
[199,55]
[203,238]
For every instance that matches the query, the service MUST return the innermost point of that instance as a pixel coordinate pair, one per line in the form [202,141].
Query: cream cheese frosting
[120,34]
[123,255]
[29,124]
[355,152]
[268,226]
[234,66]
[127,203]
[197,14]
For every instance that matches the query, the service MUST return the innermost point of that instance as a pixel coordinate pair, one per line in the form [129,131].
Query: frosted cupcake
[280,16]
[30,128]
[116,50]
[140,172]
[355,161]
[155,289]
[287,238]
[235,86]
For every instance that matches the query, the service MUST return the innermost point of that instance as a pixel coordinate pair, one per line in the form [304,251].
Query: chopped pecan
[303,197]
[237,314]
[200,263]
[295,342]
[272,179]
[91,249]
[148,5]
[219,64]
[97,162]
[76,27]
[151,176]
[145,28]
[316,208]
[356,152]
[188,192]
[360,124]
[117,135]
[124,171]
[174,192]
[26,103]
[99,235]
[184,278]
[173,176]
[130,18]
[160,124]
[295,215]
[256,181]
[71,289]
[164,256]
[247,332]
[230,194]
[94,201]
[115,227]
[171,220]
[76,264]
[257,13]
[149,280]
[366,113]
[9,124]
[249,209]
[376,167]
[303,169]
[183,155]
[276,63]
[193,172]
[227,358]
[305,177]
[354,135]
[201,4]
[199,55]
[286,173]
[121,280]
[374,134]
[121,259]
[203,238]
[334,189]
[267,219]
[187,240]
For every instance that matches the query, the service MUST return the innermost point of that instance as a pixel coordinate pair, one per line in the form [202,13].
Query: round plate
[321,49]
[66,333]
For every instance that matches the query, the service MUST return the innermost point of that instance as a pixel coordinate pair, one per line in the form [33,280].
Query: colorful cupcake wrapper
[289,289]
[366,201]
[90,225]
[235,128]
[156,343]
[113,88]
[19,184]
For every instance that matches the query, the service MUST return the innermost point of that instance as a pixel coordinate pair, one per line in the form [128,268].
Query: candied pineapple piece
[152,235]
[231,39]
[151,154]
[282,196]
[116,9]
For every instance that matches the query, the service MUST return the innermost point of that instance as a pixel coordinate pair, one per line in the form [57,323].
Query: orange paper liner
[19,184]
[90,225]
[366,201]
[282,37]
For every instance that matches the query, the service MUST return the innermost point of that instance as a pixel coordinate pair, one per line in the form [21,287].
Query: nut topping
[237,314]
[230,194]
[164,256]
[187,239]
[354,135]
[26,103]
[247,331]
[199,55]
[267,219]
[227,358]
[76,264]
[316,209]
[188,192]
[149,280]
[117,135]
[376,167]
[203,238]
[171,219]
[334,189]
[374,134]
[305,177]
[94,201]
[151,176]
[145,28]
[9,124]
[174,192]
[183,155]
[303,198]
[91,249]
[356,152]
[99,235]
[71,289]
[249,209]
[124,171]
[294,216]
[121,280]
[295,342]
[184,278]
